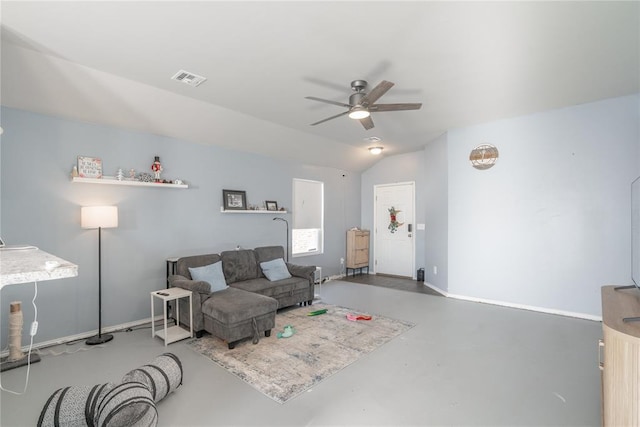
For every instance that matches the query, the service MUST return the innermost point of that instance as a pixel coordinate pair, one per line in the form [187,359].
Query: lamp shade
[99,217]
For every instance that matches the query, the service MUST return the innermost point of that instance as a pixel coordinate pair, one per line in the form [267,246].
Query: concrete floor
[391,282]
[465,364]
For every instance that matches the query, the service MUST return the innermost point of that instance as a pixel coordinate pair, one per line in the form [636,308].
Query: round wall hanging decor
[483,156]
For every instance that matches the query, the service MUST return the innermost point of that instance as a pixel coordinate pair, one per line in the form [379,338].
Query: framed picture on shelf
[234,200]
[89,167]
[271,205]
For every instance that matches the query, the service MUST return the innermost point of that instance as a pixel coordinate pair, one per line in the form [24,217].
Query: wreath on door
[393,223]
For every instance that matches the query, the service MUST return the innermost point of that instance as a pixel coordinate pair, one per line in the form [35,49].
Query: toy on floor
[355,317]
[318,312]
[132,402]
[288,331]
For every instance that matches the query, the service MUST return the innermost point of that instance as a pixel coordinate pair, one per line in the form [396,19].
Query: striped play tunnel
[73,406]
[127,404]
[130,403]
[162,376]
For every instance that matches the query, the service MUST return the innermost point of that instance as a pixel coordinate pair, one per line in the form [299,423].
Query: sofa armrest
[199,286]
[200,293]
[304,271]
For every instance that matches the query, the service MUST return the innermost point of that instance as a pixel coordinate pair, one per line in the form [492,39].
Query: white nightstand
[173,333]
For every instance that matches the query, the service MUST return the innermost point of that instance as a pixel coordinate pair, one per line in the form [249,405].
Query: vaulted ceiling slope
[466,62]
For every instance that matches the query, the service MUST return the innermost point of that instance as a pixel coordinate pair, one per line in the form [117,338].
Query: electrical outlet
[435,270]
[341,261]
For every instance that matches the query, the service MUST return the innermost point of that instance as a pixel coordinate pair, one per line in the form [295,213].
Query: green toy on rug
[288,331]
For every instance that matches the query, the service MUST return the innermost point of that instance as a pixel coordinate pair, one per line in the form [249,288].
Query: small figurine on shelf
[120,175]
[132,174]
[156,167]
[74,172]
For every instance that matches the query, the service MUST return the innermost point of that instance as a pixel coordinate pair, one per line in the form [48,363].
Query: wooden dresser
[357,250]
[620,359]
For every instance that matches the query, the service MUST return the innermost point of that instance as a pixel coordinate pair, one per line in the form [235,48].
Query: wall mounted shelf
[111,180]
[237,211]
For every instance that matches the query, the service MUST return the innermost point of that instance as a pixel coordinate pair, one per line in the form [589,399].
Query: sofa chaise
[245,303]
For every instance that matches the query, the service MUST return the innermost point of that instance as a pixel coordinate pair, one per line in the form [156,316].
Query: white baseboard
[84,335]
[504,303]
[435,288]
[521,306]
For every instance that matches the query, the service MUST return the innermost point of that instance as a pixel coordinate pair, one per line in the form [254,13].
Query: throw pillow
[275,269]
[211,274]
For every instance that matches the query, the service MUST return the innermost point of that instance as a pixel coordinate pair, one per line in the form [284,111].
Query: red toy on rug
[355,317]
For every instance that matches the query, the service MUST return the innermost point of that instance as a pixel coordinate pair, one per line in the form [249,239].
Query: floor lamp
[99,217]
[287,222]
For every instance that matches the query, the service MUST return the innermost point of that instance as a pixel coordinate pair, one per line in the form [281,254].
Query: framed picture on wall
[271,205]
[234,200]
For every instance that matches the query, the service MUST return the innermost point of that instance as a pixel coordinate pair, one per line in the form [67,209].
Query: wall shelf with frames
[238,211]
[112,180]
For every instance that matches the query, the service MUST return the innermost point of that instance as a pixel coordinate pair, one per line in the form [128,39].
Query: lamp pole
[286,222]
[99,217]
[100,338]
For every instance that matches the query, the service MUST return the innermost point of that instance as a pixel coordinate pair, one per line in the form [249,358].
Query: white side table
[317,278]
[173,333]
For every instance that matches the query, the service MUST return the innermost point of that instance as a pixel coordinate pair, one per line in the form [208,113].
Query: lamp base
[99,339]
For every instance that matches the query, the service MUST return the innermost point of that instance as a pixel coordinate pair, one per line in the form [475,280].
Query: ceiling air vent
[189,78]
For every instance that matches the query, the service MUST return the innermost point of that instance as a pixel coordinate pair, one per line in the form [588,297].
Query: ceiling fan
[362,104]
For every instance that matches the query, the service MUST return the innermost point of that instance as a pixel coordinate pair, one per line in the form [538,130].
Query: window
[308,217]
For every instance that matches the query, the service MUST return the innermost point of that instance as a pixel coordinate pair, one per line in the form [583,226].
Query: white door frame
[375,222]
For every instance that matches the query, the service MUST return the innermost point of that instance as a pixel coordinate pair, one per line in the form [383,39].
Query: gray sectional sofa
[246,308]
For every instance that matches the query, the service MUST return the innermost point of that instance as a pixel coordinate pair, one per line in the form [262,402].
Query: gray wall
[41,207]
[547,226]
[436,204]
[550,223]
[400,168]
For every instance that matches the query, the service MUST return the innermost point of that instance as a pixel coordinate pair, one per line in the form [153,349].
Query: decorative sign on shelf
[89,167]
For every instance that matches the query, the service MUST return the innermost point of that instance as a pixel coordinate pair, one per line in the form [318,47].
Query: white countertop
[29,265]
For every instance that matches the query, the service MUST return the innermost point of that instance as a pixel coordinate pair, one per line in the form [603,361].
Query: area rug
[322,345]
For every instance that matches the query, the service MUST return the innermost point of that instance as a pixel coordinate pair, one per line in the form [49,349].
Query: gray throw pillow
[275,269]
[211,274]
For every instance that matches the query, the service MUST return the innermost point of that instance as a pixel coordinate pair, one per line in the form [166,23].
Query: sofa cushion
[275,269]
[234,305]
[240,265]
[268,253]
[263,286]
[182,267]
[211,274]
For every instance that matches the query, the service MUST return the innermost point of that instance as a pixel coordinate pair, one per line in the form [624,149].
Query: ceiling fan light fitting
[358,113]
[376,150]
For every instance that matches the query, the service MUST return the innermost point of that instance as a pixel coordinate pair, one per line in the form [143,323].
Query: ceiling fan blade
[394,107]
[340,104]
[330,118]
[367,122]
[376,93]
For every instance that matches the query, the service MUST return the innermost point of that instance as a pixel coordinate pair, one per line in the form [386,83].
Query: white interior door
[394,243]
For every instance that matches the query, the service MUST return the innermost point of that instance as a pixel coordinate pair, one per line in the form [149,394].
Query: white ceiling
[467,62]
